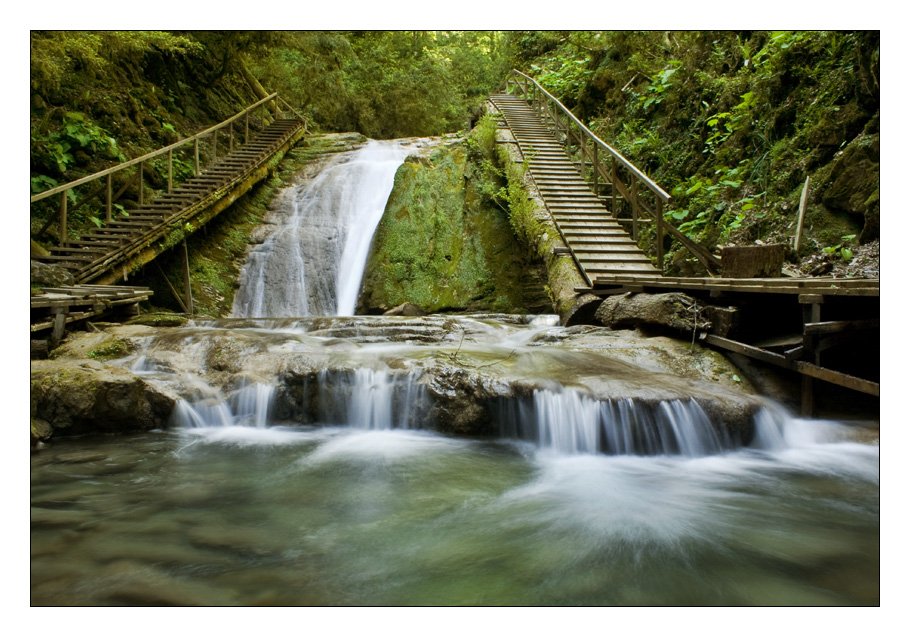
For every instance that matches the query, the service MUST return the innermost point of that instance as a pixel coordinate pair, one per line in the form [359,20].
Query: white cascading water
[569,421]
[313,263]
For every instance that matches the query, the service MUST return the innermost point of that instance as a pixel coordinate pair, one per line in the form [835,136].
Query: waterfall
[248,406]
[568,421]
[372,399]
[312,264]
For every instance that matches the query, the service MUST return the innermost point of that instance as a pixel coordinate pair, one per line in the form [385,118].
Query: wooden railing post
[594,169]
[196,155]
[659,227]
[170,171]
[214,147]
[141,183]
[613,188]
[231,138]
[634,204]
[109,199]
[246,128]
[63,229]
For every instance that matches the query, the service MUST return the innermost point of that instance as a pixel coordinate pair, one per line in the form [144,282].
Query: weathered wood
[829,327]
[803,199]
[808,288]
[746,262]
[187,282]
[806,369]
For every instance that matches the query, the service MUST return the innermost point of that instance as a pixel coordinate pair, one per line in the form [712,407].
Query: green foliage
[729,122]
[55,54]
[842,249]
[385,84]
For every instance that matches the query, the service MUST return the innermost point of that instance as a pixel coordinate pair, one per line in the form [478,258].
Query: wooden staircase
[105,249]
[597,241]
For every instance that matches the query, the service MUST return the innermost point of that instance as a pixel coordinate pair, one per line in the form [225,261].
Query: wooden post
[246,129]
[214,147]
[659,225]
[613,188]
[141,183]
[594,169]
[59,328]
[812,313]
[63,227]
[231,137]
[109,203]
[186,279]
[196,154]
[170,171]
[634,204]
[802,213]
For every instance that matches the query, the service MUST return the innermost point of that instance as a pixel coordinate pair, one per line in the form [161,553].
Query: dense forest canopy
[730,122]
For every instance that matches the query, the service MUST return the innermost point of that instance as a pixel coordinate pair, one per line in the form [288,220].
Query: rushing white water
[312,264]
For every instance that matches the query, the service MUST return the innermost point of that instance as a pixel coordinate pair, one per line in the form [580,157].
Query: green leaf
[846,254]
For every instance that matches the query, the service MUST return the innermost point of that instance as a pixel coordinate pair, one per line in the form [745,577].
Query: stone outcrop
[43,275]
[671,313]
[85,396]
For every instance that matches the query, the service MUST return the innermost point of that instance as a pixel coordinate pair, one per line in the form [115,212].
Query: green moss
[116,348]
[443,245]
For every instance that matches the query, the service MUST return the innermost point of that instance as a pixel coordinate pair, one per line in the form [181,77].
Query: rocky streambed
[454,374]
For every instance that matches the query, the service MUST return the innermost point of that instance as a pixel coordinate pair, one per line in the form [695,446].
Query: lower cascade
[382,386]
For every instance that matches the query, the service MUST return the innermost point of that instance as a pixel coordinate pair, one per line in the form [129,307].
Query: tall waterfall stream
[312,460]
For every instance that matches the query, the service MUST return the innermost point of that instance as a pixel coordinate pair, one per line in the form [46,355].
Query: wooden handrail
[138,160]
[607,167]
[632,168]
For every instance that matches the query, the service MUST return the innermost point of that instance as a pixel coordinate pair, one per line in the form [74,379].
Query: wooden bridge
[600,202]
[251,143]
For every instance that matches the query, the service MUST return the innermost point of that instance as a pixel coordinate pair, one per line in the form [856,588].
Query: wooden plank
[831,327]
[806,369]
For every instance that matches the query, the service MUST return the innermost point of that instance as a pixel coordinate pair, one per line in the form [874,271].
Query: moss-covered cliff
[444,246]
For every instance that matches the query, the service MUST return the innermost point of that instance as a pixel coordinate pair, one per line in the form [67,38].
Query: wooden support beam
[832,327]
[59,327]
[186,274]
[806,369]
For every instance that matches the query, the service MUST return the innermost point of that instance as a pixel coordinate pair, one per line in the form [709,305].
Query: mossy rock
[159,319]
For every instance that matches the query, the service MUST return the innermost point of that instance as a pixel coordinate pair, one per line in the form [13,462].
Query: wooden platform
[597,241]
[53,309]
[825,286]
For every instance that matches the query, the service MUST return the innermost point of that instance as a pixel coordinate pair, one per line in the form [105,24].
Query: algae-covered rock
[672,312]
[44,275]
[443,246]
[78,396]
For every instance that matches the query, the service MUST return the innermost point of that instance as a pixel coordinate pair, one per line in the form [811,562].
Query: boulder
[672,312]
[44,275]
[78,397]
[853,186]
